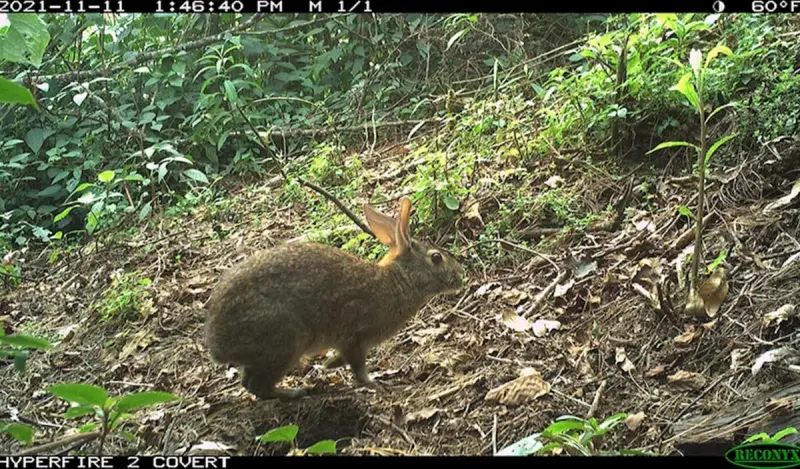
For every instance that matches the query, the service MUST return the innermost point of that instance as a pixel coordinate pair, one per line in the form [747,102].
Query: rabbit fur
[305,298]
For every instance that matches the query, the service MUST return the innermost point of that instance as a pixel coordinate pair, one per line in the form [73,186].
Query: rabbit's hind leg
[261,379]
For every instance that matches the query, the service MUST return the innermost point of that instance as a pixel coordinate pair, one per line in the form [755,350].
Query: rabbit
[301,299]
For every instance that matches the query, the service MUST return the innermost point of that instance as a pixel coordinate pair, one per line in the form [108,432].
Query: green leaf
[86,428]
[138,400]
[20,359]
[36,137]
[63,214]
[79,411]
[281,434]
[684,210]
[25,40]
[26,341]
[785,432]
[230,91]
[84,394]
[564,426]
[713,53]
[322,447]
[195,175]
[450,202]
[11,92]
[107,176]
[128,435]
[724,106]
[663,145]
[20,432]
[717,144]
[686,88]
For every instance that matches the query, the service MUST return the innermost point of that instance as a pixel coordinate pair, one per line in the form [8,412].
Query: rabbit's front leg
[356,356]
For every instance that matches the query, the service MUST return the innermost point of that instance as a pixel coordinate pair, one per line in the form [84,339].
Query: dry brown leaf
[528,387]
[563,288]
[485,288]
[623,361]
[786,199]
[686,380]
[710,295]
[138,342]
[686,338]
[471,212]
[779,315]
[427,335]
[542,327]
[634,421]
[515,321]
[655,372]
[421,415]
[513,297]
[554,181]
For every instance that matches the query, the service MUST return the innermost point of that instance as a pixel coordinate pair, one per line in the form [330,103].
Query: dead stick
[60,442]
[596,400]
[687,236]
[310,185]
[537,302]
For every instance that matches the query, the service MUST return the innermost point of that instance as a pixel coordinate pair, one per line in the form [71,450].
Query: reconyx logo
[765,454]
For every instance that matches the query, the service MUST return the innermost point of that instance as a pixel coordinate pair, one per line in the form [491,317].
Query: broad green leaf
[25,341]
[63,214]
[322,447]
[663,145]
[138,400]
[717,144]
[684,210]
[36,137]
[86,428]
[450,202]
[84,394]
[686,88]
[25,40]
[20,360]
[20,432]
[280,434]
[11,92]
[564,426]
[230,91]
[79,411]
[107,176]
[195,175]
[713,53]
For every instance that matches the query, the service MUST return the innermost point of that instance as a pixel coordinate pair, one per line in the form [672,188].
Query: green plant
[691,86]
[288,433]
[109,412]
[17,347]
[568,433]
[18,431]
[763,437]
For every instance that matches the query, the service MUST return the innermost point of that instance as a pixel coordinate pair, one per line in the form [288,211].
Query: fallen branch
[596,401]
[539,299]
[79,437]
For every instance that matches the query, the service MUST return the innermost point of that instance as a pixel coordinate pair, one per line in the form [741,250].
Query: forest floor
[598,344]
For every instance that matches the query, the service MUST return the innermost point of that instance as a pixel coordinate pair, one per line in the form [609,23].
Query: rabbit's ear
[402,235]
[382,225]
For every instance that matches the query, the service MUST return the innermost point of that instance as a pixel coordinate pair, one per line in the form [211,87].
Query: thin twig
[60,442]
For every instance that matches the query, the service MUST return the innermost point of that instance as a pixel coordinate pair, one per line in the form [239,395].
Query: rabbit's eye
[436,258]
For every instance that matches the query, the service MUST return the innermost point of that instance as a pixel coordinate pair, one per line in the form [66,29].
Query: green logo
[764,455]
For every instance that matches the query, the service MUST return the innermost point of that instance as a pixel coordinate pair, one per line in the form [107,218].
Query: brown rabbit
[305,298]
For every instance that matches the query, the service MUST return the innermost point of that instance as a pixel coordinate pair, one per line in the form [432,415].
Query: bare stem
[701,164]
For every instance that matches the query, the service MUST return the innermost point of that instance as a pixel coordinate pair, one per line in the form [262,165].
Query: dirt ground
[596,343]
